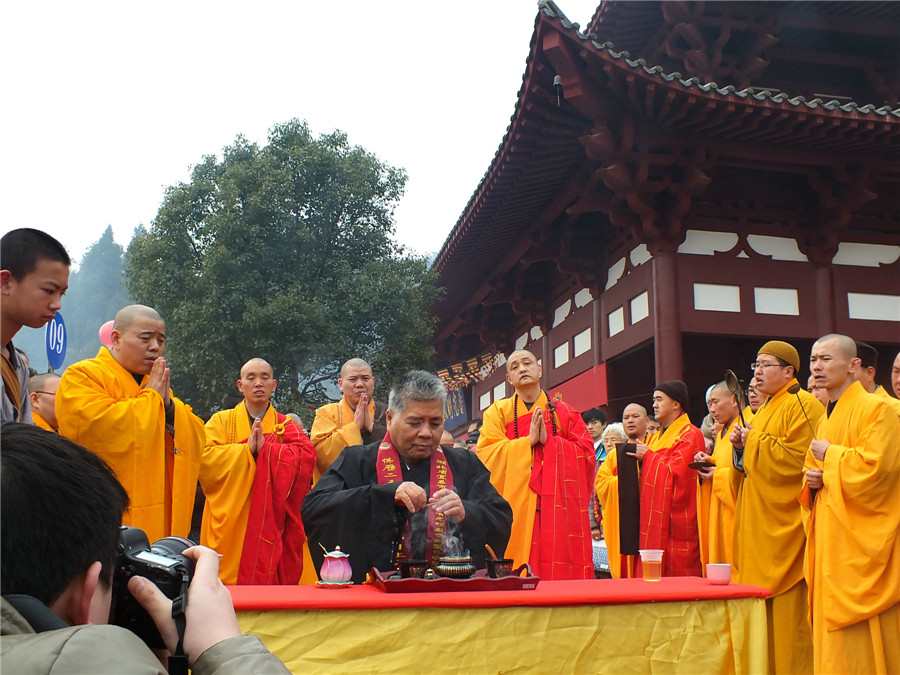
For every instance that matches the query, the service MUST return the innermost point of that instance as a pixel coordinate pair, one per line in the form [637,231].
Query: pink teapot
[335,567]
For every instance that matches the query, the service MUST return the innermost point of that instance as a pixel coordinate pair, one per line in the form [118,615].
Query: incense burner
[455,568]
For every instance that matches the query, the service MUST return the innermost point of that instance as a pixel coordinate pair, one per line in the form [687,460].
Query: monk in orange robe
[256,470]
[541,459]
[668,485]
[715,498]
[851,508]
[119,406]
[42,395]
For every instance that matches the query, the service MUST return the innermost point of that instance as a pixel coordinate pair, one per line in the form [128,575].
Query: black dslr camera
[163,564]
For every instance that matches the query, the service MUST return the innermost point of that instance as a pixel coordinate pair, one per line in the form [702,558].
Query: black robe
[348,508]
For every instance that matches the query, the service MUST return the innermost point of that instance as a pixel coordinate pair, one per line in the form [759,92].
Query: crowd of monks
[799,491]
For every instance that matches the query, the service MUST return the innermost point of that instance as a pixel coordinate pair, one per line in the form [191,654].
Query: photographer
[60,515]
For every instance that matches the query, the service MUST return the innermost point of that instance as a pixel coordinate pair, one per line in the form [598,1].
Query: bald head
[634,421]
[42,394]
[517,355]
[257,384]
[126,316]
[354,363]
[257,365]
[846,345]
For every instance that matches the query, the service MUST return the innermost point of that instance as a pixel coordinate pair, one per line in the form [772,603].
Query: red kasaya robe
[252,513]
[549,487]
[669,498]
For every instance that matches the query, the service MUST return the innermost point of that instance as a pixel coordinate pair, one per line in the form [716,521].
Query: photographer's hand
[209,614]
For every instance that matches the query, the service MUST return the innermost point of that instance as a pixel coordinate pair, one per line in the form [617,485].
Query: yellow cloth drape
[509,462]
[721,636]
[768,538]
[853,546]
[100,406]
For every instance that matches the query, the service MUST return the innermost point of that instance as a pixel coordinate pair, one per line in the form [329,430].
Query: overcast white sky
[105,103]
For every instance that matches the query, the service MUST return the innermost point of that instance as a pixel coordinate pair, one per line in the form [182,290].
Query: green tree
[96,292]
[283,252]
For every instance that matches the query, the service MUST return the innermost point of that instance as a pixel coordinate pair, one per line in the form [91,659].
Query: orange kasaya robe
[852,561]
[548,487]
[669,498]
[252,512]
[40,422]
[101,406]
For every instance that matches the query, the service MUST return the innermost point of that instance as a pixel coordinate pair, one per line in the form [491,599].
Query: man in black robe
[406,497]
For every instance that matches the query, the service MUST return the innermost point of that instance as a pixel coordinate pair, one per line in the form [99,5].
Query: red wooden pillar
[667,343]
[825,314]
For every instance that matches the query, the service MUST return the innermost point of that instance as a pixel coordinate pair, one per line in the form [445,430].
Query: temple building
[680,182]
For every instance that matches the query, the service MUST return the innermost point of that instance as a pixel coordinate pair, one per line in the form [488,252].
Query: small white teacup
[718,573]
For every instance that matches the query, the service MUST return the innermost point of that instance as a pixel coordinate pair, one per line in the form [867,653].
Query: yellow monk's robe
[853,546]
[40,422]
[562,547]
[893,402]
[227,476]
[100,406]
[334,428]
[769,539]
[715,504]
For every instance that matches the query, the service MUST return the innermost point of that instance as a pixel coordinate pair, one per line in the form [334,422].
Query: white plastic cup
[718,573]
[651,563]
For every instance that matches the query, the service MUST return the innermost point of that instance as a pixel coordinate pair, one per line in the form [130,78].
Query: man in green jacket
[59,518]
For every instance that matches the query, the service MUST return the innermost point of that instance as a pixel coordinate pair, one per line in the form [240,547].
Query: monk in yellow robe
[354,420]
[119,406]
[606,484]
[768,531]
[865,375]
[851,502]
[256,470]
[715,497]
[42,394]
[541,459]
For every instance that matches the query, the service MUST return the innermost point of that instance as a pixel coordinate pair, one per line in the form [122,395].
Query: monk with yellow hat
[769,540]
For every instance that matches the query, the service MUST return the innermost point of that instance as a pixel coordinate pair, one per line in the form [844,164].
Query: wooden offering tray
[390,582]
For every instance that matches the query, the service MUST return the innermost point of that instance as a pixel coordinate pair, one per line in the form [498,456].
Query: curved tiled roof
[549,8]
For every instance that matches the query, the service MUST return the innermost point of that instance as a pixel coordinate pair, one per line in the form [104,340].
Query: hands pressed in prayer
[256,439]
[538,432]
[361,415]
[814,479]
[158,379]
[818,448]
[449,503]
[411,496]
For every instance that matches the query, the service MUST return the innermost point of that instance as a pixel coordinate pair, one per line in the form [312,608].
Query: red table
[680,624]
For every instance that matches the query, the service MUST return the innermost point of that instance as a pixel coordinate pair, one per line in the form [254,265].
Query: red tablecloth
[547,594]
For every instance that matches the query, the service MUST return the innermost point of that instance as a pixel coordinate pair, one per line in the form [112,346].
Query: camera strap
[178,663]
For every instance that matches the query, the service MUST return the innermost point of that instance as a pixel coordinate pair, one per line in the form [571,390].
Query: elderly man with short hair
[406,497]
